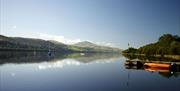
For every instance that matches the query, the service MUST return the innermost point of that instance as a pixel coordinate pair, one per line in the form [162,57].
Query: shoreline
[176,57]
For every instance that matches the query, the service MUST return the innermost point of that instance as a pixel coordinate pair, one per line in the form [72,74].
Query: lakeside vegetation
[167,46]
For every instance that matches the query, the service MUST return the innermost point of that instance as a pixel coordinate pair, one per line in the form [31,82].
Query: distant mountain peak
[56,42]
[85,44]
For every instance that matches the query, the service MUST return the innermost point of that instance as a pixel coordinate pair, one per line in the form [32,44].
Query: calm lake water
[79,72]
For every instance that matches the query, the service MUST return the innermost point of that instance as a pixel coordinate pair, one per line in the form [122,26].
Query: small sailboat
[49,52]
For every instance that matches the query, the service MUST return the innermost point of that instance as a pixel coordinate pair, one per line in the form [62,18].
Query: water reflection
[22,71]
[37,57]
[69,62]
[164,68]
[58,64]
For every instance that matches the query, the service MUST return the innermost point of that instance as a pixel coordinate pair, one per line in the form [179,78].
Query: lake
[20,71]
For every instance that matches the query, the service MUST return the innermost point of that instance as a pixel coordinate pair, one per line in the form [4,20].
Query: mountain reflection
[55,58]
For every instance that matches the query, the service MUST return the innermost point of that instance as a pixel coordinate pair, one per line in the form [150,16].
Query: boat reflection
[156,69]
[165,69]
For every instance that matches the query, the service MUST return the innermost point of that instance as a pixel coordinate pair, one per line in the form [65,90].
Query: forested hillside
[167,44]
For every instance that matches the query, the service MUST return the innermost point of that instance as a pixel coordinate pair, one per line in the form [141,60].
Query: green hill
[167,44]
[30,44]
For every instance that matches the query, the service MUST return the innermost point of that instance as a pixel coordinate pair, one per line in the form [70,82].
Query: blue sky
[107,22]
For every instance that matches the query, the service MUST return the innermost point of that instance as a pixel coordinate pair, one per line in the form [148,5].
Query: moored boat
[157,65]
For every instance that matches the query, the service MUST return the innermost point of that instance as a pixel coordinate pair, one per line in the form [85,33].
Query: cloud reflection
[68,62]
[59,64]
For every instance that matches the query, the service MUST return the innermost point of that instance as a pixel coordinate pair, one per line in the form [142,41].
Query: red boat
[157,65]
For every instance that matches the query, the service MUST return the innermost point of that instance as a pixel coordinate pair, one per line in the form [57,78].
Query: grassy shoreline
[176,57]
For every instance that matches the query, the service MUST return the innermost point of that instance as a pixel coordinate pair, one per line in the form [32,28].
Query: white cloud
[58,38]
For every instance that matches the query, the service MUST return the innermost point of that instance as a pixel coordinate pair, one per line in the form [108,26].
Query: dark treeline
[166,45]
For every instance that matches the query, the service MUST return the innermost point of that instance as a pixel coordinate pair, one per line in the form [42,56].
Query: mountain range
[30,44]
